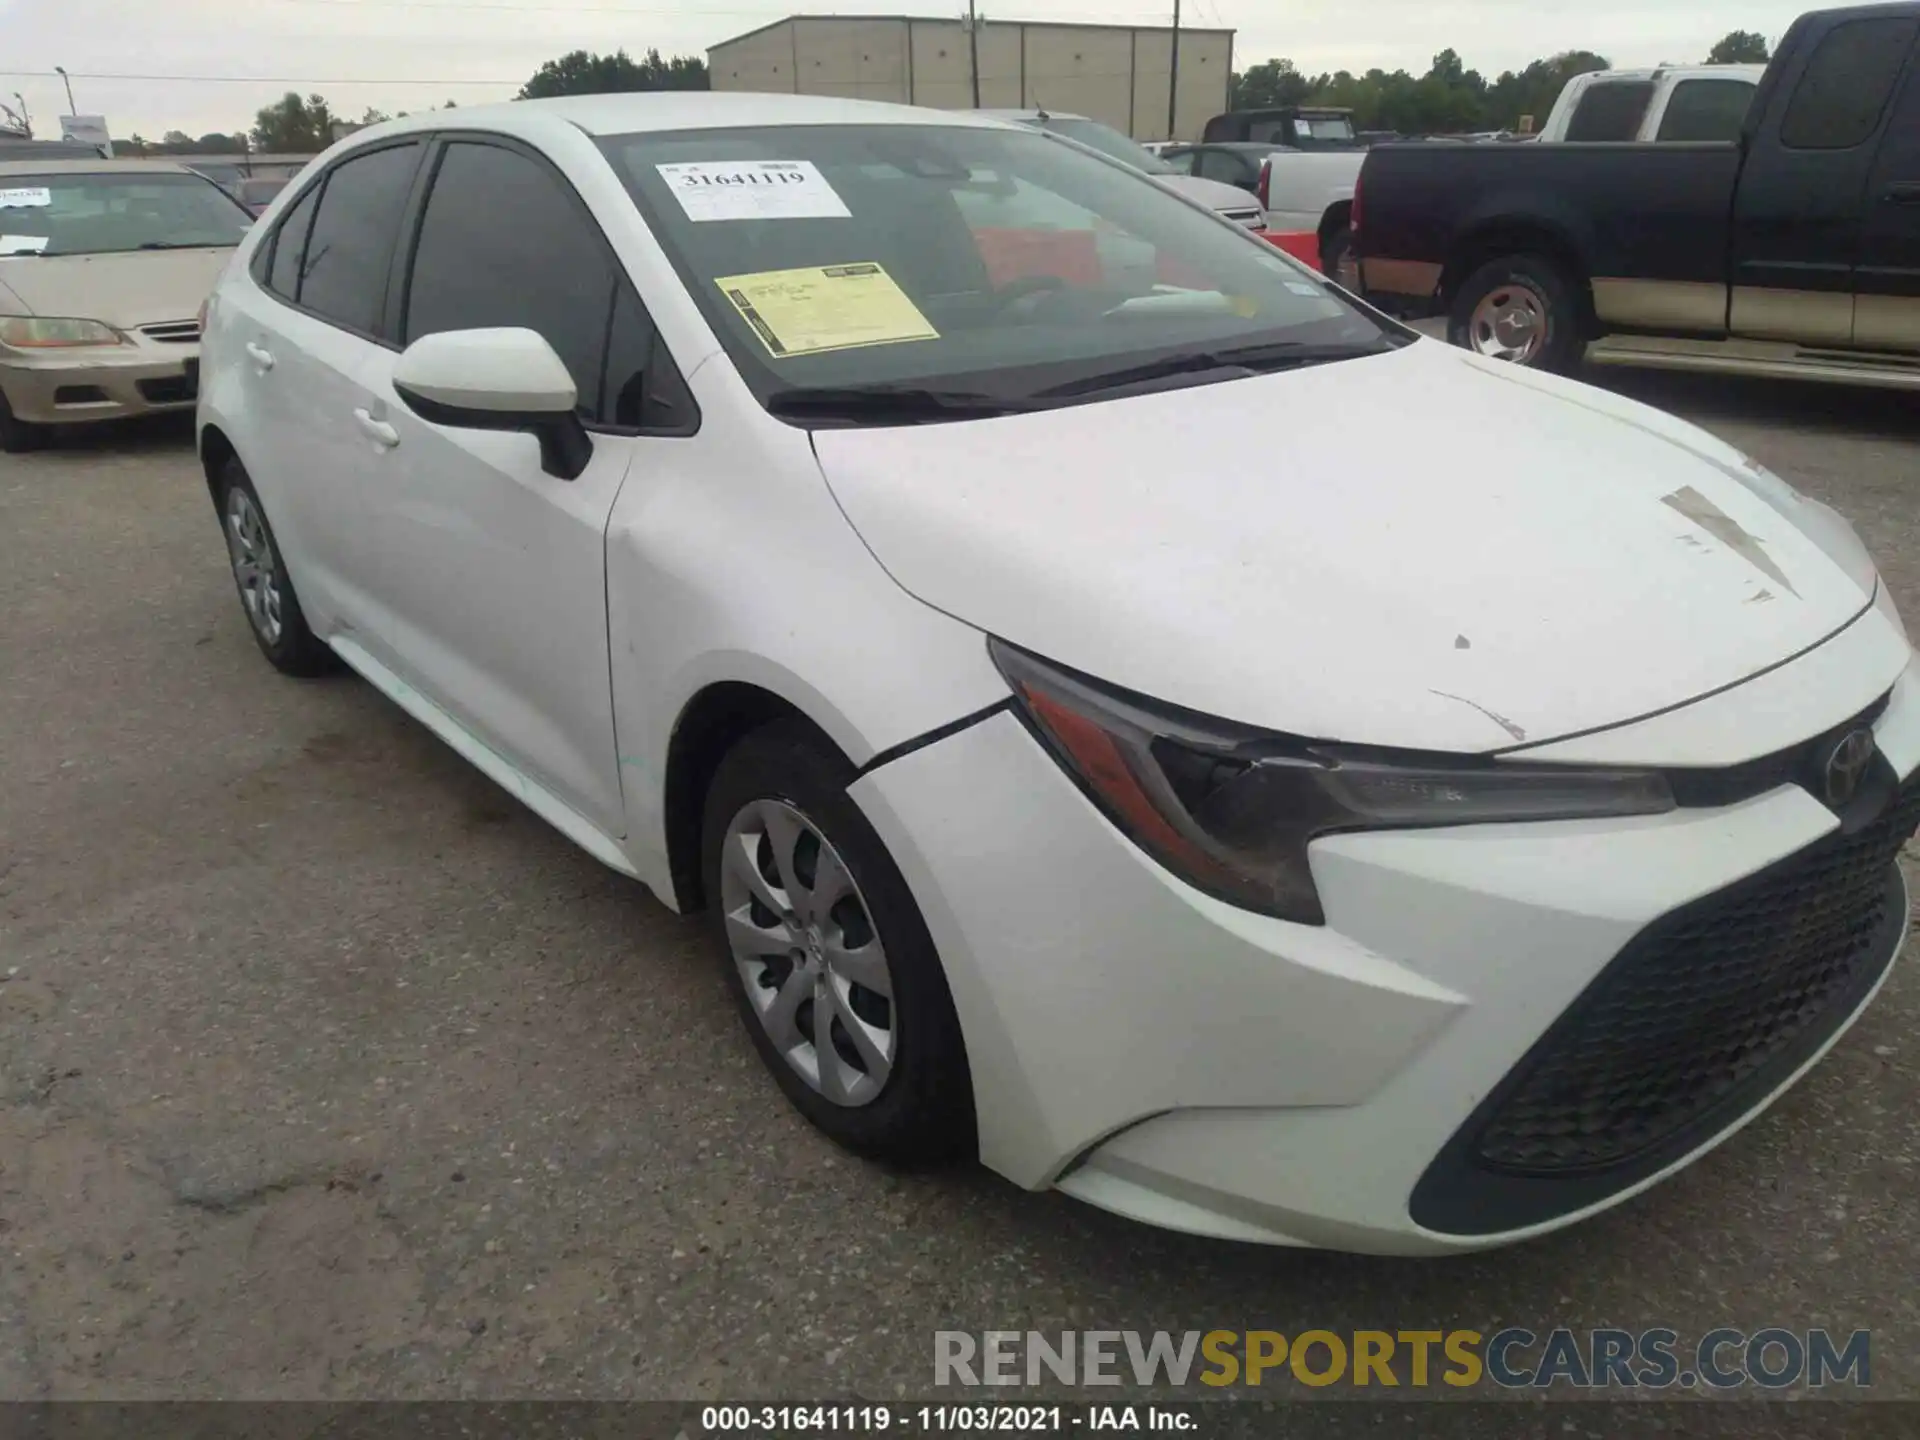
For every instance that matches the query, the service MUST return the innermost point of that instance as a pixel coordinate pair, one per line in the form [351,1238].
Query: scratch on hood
[1729,532]
[1505,724]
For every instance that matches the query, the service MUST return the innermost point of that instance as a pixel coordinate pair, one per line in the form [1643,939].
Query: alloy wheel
[255,567]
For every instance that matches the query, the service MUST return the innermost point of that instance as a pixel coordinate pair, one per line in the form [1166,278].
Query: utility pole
[61,71]
[973,49]
[1173,78]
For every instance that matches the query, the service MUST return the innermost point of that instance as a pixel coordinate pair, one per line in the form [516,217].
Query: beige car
[103,268]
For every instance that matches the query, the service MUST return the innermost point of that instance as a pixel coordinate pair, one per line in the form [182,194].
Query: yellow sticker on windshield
[828,307]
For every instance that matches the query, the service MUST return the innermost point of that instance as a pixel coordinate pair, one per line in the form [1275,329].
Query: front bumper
[1155,1052]
[68,387]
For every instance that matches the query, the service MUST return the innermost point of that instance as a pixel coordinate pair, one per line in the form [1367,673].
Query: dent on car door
[306,343]
[1886,307]
[492,571]
[1798,214]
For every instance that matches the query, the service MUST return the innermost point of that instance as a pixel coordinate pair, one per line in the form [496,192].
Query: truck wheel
[1337,261]
[1522,309]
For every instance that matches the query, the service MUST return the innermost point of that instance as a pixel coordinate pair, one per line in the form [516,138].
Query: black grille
[169,389]
[1695,1008]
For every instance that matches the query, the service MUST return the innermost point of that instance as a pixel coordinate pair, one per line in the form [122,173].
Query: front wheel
[827,955]
[1523,309]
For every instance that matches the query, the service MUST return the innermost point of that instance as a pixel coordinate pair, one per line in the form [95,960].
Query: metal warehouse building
[1120,74]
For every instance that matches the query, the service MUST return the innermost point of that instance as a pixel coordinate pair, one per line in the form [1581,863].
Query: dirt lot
[326,1070]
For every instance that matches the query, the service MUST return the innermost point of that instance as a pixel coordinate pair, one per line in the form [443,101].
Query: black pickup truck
[1794,250]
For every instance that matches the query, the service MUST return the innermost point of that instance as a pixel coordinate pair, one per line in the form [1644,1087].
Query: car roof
[1024,116]
[668,110]
[92,167]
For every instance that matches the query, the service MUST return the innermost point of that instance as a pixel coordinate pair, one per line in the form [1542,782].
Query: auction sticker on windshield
[753,190]
[826,307]
[25,197]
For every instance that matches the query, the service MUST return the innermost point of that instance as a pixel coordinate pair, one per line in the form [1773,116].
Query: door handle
[260,356]
[378,431]
[1904,192]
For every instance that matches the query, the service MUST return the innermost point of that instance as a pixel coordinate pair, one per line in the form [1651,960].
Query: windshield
[996,262]
[1108,141]
[103,213]
[1327,129]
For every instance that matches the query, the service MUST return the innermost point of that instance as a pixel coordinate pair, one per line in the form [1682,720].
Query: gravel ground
[327,1071]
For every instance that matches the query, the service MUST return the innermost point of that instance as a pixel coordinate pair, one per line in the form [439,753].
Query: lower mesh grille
[1697,1007]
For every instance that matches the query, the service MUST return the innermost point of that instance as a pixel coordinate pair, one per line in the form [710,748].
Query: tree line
[1449,98]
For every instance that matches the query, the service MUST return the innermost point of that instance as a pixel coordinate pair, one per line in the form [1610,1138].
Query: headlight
[1231,810]
[37,332]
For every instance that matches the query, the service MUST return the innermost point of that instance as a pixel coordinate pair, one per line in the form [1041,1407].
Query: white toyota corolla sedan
[838,517]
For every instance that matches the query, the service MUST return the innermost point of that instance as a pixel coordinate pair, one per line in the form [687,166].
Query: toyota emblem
[1847,766]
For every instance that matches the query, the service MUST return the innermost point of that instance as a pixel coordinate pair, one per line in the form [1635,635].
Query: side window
[1847,84]
[289,243]
[504,242]
[1706,110]
[343,277]
[1180,161]
[643,389]
[1612,111]
[1226,167]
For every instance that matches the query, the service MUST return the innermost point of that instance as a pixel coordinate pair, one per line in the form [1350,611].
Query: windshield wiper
[183,244]
[891,404]
[1235,362]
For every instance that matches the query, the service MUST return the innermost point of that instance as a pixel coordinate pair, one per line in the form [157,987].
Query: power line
[251,79]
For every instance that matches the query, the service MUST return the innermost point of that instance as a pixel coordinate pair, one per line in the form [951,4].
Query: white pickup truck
[1672,103]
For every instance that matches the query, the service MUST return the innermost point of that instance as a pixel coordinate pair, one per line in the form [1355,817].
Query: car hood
[1417,549]
[1214,194]
[124,290]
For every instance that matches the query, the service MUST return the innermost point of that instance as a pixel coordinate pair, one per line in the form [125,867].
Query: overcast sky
[236,55]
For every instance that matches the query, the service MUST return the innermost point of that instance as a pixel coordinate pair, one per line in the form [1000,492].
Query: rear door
[1886,305]
[1797,223]
[309,334]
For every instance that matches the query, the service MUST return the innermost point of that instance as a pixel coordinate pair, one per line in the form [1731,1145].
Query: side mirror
[506,379]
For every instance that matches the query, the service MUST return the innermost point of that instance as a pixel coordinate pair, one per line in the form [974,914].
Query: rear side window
[1847,84]
[1706,110]
[1611,111]
[350,247]
[504,242]
[290,243]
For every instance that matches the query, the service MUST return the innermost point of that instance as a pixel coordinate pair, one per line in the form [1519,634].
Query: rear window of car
[1611,111]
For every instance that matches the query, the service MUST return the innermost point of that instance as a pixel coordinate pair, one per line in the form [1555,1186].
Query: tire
[1522,308]
[267,595]
[17,437]
[905,1095]
[1336,251]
